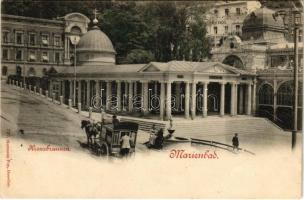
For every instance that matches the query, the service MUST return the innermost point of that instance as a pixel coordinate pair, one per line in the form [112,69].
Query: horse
[91,129]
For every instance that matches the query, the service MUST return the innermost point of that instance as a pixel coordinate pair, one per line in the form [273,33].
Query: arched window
[31,72]
[234,61]
[266,95]
[76,30]
[4,71]
[284,95]
[18,71]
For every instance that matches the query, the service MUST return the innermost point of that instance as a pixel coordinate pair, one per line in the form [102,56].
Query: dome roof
[263,18]
[95,41]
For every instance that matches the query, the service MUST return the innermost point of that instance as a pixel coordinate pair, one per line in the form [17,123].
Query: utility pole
[297,19]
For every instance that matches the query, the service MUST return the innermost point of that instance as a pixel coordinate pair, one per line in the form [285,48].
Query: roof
[187,66]
[95,40]
[152,67]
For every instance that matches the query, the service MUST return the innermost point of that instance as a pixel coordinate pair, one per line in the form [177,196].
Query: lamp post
[296,14]
[74,40]
[297,22]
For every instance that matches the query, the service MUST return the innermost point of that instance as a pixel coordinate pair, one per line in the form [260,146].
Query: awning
[45,42]
[45,58]
[32,57]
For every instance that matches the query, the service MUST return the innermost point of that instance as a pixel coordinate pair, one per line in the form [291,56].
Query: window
[45,40]
[226,12]
[237,29]
[285,93]
[226,29]
[5,37]
[266,95]
[57,41]
[4,71]
[19,38]
[216,12]
[19,55]
[215,29]
[238,11]
[57,57]
[32,39]
[45,57]
[32,56]
[4,54]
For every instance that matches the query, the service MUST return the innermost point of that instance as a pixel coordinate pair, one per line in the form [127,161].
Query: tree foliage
[140,31]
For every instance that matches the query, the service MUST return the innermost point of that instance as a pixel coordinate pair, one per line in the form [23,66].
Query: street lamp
[296,14]
[297,22]
[74,40]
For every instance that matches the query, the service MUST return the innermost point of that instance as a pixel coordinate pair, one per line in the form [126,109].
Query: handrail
[275,117]
[214,144]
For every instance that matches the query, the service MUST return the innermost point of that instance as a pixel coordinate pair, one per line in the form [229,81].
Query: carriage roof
[131,126]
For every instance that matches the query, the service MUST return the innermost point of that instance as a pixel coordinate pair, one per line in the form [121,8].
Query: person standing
[125,145]
[235,142]
[152,135]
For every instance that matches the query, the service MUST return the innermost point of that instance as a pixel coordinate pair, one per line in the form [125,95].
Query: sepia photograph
[151,99]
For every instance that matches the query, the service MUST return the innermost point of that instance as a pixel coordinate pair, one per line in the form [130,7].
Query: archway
[234,61]
[75,30]
[31,72]
[266,95]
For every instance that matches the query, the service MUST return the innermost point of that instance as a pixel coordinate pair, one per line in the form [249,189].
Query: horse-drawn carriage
[105,139]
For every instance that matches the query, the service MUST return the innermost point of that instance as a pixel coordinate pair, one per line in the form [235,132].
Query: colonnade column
[275,83]
[71,89]
[97,88]
[248,109]
[222,108]
[205,108]
[88,93]
[130,95]
[254,97]
[79,91]
[125,96]
[232,99]
[144,97]
[118,95]
[241,100]
[178,95]
[193,100]
[162,100]
[168,100]
[236,99]
[109,95]
[187,99]
[63,89]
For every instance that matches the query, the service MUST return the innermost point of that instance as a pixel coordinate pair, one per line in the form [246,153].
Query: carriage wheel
[102,149]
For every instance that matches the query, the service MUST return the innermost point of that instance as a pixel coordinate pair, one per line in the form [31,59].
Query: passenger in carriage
[115,121]
[152,135]
[159,140]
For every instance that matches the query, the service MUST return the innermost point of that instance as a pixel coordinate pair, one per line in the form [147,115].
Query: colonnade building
[248,75]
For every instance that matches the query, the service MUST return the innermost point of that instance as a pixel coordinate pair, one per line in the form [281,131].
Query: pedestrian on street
[235,142]
[125,145]
[115,121]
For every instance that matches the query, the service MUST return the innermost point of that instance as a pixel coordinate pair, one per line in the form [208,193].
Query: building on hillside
[266,51]
[30,46]
[226,18]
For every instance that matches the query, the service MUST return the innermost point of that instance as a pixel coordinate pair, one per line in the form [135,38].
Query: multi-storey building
[226,18]
[30,46]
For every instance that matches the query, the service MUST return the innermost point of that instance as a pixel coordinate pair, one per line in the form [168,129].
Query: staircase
[215,125]
[212,125]
[144,124]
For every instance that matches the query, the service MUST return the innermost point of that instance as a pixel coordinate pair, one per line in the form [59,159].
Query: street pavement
[274,173]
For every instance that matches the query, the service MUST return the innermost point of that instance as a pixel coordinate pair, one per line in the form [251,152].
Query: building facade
[30,46]
[248,76]
[226,18]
